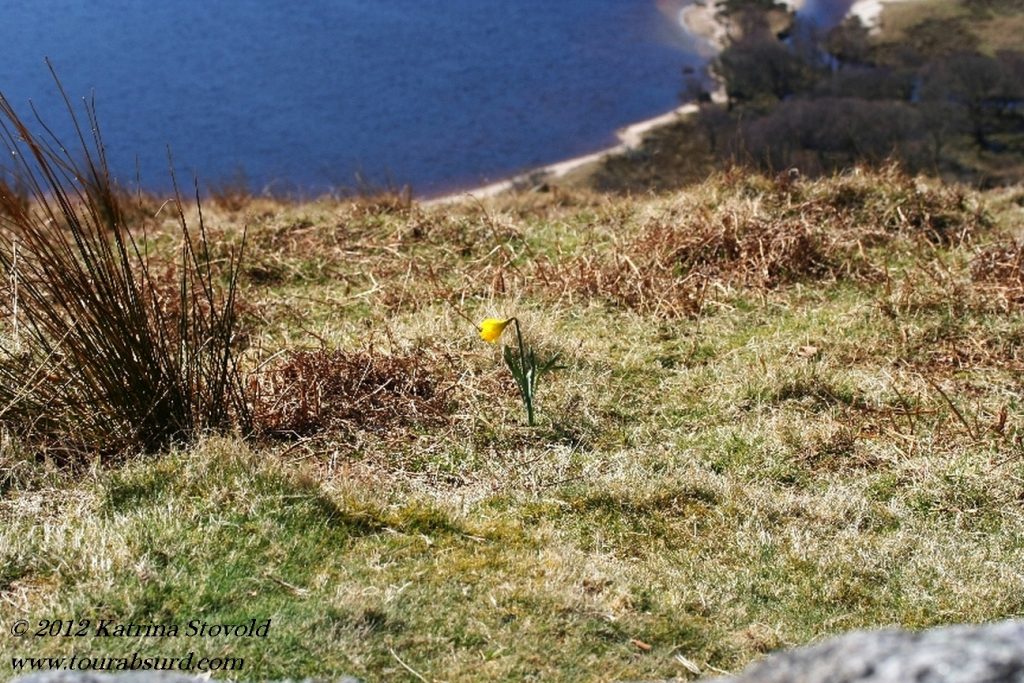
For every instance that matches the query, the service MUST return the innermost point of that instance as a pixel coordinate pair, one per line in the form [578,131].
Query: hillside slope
[789,408]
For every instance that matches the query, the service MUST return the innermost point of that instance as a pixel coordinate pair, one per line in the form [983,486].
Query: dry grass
[999,271]
[995,30]
[370,201]
[741,231]
[306,393]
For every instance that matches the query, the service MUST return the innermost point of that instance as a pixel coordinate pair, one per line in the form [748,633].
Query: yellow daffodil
[491,328]
[520,359]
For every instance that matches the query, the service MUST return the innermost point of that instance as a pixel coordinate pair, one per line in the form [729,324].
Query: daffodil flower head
[491,328]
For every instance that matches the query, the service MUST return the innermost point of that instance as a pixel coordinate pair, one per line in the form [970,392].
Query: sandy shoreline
[629,138]
[697,18]
[870,11]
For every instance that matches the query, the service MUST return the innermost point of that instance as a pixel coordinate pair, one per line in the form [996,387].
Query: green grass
[772,469]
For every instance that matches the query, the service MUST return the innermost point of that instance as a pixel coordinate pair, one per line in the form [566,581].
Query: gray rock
[991,653]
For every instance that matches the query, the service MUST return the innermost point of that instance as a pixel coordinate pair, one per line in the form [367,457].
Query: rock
[990,653]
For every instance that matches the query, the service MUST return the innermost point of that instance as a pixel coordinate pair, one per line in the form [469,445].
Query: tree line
[938,98]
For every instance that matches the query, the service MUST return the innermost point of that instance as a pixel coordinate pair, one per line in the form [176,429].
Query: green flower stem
[525,384]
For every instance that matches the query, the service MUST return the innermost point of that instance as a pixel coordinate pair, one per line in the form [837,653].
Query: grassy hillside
[992,25]
[789,408]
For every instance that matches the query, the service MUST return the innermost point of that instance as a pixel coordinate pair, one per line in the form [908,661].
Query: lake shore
[699,20]
[629,137]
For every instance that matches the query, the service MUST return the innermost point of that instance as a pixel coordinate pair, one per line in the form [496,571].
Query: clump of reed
[95,360]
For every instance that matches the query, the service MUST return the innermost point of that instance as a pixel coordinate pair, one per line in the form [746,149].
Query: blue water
[823,14]
[303,96]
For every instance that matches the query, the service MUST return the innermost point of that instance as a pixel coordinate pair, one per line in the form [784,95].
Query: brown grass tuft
[312,392]
[739,230]
[368,199]
[999,271]
[644,277]
[233,194]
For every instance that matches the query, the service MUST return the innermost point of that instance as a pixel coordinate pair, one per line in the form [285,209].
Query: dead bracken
[999,270]
[312,392]
[748,231]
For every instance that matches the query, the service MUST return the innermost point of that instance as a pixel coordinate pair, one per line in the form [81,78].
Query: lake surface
[304,96]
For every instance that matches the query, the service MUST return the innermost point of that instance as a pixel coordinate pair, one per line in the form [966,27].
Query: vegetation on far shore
[789,406]
[940,87]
